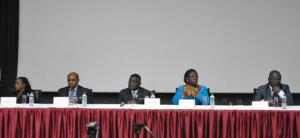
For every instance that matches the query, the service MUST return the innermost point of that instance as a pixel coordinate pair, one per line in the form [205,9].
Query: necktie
[73,98]
[134,95]
[72,92]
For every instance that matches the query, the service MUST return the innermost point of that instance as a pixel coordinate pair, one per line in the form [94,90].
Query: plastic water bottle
[84,100]
[31,99]
[284,102]
[152,94]
[212,101]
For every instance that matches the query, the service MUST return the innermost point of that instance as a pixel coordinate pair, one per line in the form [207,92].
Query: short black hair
[26,83]
[272,72]
[74,73]
[186,74]
[135,75]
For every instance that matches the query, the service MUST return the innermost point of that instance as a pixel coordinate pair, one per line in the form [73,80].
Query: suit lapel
[268,91]
[140,92]
[130,94]
[79,91]
[66,92]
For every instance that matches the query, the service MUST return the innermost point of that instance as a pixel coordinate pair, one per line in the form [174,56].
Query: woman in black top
[23,88]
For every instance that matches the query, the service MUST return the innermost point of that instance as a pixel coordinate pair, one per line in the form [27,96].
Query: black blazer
[126,95]
[264,92]
[64,92]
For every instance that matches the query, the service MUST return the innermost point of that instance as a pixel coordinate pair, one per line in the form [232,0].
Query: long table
[166,121]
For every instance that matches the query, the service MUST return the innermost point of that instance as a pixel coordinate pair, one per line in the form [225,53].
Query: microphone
[122,104]
[152,94]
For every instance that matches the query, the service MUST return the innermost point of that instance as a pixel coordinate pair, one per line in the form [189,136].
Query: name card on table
[260,104]
[8,101]
[152,101]
[188,103]
[61,101]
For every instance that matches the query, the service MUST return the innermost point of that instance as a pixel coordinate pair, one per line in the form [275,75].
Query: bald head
[73,74]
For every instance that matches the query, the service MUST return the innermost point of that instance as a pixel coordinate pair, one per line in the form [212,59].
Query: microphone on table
[152,94]
[122,104]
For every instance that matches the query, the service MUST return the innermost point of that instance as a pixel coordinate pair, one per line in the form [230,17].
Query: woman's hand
[193,94]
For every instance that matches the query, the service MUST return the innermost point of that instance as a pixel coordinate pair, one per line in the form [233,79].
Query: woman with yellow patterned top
[191,89]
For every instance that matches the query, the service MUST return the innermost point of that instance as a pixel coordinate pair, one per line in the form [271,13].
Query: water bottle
[275,101]
[84,100]
[31,99]
[284,102]
[212,101]
[152,94]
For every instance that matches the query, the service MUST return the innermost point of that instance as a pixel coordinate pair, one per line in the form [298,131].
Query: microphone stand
[93,129]
[137,129]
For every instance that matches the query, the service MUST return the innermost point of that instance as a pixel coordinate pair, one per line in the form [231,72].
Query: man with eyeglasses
[274,90]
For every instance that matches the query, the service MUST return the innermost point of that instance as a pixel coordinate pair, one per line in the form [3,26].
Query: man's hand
[276,89]
[131,102]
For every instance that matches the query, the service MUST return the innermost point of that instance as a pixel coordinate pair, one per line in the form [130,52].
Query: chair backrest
[254,90]
[254,93]
[37,93]
[238,101]
[224,101]
[208,91]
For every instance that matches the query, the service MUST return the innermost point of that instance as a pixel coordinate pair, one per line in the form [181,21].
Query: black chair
[254,92]
[37,94]
[92,97]
[208,91]
[223,101]
[237,101]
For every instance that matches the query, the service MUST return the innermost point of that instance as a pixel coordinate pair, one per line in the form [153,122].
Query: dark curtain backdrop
[9,36]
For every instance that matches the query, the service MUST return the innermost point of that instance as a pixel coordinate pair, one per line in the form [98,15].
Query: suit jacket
[264,92]
[64,92]
[126,95]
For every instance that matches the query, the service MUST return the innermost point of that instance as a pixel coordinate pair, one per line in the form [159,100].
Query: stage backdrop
[232,44]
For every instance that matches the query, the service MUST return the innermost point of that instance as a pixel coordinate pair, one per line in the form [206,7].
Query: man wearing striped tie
[74,91]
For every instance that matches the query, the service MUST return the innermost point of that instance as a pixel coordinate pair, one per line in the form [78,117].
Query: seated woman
[23,89]
[191,89]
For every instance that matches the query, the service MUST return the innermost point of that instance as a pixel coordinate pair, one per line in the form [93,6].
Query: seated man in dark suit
[274,89]
[75,90]
[134,93]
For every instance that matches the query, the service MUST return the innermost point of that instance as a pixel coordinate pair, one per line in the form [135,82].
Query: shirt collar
[75,89]
[135,91]
[271,89]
